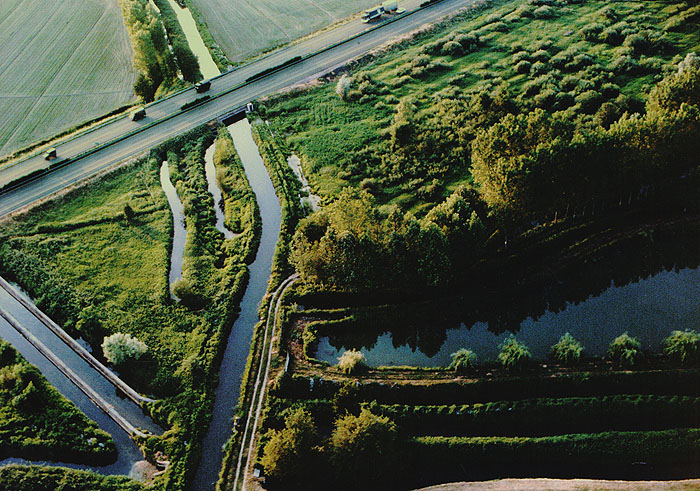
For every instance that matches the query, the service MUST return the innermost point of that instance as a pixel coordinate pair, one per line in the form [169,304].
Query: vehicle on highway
[202,86]
[391,6]
[138,113]
[50,153]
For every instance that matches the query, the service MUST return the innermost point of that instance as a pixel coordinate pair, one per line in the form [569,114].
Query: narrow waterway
[128,452]
[179,230]
[238,344]
[312,201]
[215,191]
[194,39]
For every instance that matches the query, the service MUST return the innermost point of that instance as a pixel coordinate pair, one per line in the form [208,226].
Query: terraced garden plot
[244,28]
[61,63]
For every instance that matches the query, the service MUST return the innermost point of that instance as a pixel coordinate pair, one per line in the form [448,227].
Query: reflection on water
[649,310]
[647,288]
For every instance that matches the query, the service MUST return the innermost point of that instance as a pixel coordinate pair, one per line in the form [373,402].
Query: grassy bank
[38,423]
[98,268]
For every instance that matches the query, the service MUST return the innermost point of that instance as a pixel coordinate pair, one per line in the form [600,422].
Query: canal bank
[238,343]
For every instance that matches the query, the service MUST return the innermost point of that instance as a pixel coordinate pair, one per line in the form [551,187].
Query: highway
[229,91]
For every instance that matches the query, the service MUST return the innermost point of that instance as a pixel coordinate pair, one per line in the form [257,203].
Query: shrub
[589,100]
[624,350]
[289,452]
[539,68]
[591,31]
[120,347]
[523,67]
[520,56]
[541,55]
[544,12]
[567,351]
[683,346]
[351,361]
[452,48]
[343,86]
[513,355]
[462,360]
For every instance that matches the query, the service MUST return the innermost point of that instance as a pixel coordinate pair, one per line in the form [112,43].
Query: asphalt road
[229,91]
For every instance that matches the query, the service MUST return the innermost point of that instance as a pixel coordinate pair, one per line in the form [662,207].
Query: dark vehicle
[138,113]
[50,153]
[202,86]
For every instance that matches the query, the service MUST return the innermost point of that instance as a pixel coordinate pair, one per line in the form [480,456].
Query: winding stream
[179,230]
[215,191]
[238,344]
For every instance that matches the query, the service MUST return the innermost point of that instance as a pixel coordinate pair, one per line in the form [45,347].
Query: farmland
[246,28]
[61,63]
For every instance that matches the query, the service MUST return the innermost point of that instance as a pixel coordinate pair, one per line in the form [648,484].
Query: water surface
[238,344]
[179,231]
[648,309]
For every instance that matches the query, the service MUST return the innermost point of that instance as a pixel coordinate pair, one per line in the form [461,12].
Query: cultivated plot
[246,27]
[61,63]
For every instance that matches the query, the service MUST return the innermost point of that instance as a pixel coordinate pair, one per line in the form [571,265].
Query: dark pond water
[215,191]
[648,309]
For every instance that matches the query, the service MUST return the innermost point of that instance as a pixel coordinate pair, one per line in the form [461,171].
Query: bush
[624,350]
[462,360]
[523,67]
[567,351]
[351,361]
[119,348]
[683,346]
[513,355]
[343,86]
[452,48]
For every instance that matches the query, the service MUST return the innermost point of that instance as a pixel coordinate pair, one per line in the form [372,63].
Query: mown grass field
[61,63]
[244,28]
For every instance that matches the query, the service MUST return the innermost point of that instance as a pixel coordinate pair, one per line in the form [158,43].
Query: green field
[61,63]
[248,27]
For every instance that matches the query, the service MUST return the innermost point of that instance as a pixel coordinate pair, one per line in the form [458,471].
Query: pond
[648,309]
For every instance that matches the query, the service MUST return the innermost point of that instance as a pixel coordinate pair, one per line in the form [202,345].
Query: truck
[50,153]
[389,7]
[138,113]
[202,86]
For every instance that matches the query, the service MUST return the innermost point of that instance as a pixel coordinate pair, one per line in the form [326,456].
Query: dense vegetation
[37,422]
[488,125]
[35,478]
[468,175]
[98,269]
[152,34]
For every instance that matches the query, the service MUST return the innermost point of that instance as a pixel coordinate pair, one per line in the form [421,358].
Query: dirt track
[566,485]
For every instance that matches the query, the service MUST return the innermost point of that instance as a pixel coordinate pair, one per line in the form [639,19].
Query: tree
[187,61]
[128,212]
[363,447]
[463,360]
[567,350]
[343,86]
[120,347]
[351,361]
[289,453]
[683,346]
[625,350]
[513,355]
